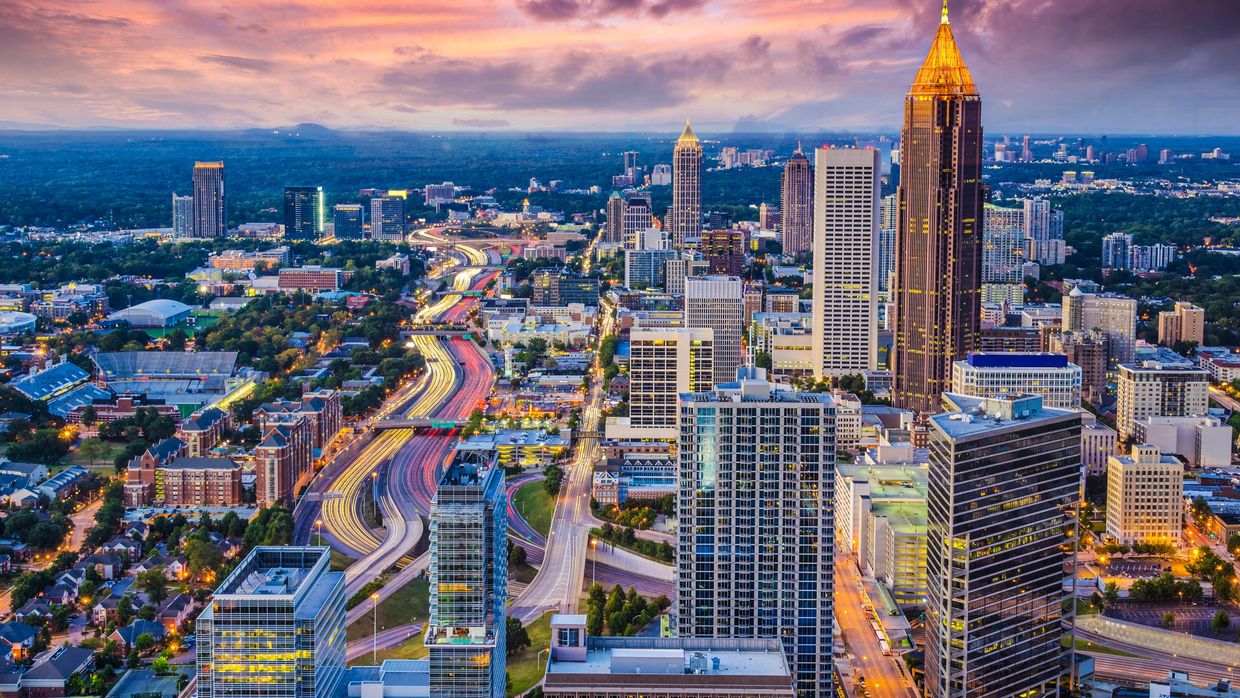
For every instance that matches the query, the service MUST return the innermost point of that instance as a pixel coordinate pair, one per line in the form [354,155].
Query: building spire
[944,20]
[687,136]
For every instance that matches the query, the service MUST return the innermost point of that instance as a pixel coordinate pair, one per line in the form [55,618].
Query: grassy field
[535,505]
[101,466]
[525,668]
[1087,646]
[409,649]
[410,604]
[340,561]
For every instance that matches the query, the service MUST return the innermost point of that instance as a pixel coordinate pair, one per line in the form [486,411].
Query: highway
[882,676]
[558,584]
[1150,665]
[1224,399]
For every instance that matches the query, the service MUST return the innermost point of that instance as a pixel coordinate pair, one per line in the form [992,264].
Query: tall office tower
[304,213]
[275,626]
[725,250]
[885,258]
[1043,231]
[1002,373]
[614,230]
[676,270]
[664,363]
[1089,351]
[939,267]
[1117,251]
[685,216]
[1187,323]
[1089,153]
[756,550]
[796,205]
[1002,474]
[347,223]
[1003,255]
[769,217]
[182,217]
[1159,389]
[210,211]
[1115,315]
[631,169]
[845,307]
[387,218]
[638,217]
[1145,497]
[717,303]
[468,574]
[1026,151]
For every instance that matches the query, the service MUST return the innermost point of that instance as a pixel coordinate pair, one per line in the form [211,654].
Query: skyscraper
[275,626]
[387,218]
[465,635]
[614,230]
[1043,231]
[638,217]
[938,267]
[756,549]
[347,221]
[1117,250]
[725,250]
[1115,315]
[845,324]
[1187,323]
[1003,255]
[210,218]
[631,170]
[664,363]
[1026,151]
[303,213]
[182,217]
[1003,472]
[717,302]
[685,216]
[796,204]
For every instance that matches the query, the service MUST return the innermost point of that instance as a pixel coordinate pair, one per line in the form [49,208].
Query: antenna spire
[944,20]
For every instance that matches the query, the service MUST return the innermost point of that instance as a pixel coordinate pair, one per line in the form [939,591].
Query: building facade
[1186,323]
[275,626]
[796,203]
[1045,374]
[755,543]
[1145,497]
[182,217]
[1115,316]
[1159,389]
[304,213]
[724,250]
[717,303]
[1002,474]
[348,221]
[845,324]
[685,216]
[210,210]
[387,218]
[938,264]
[662,364]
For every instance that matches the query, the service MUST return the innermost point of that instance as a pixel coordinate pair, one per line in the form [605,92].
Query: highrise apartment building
[304,213]
[638,217]
[717,303]
[993,375]
[1186,323]
[685,217]
[662,364]
[468,573]
[1145,497]
[387,218]
[1159,389]
[613,230]
[939,265]
[275,626]
[796,204]
[347,221]
[182,217]
[210,212]
[1003,473]
[1115,316]
[756,549]
[1003,255]
[725,250]
[1043,231]
[845,304]
[1089,351]
[1117,251]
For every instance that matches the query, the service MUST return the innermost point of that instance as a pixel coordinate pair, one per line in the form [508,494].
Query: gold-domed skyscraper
[937,292]
[685,217]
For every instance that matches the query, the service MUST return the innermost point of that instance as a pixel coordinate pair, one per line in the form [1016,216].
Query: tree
[517,637]
[201,556]
[1220,622]
[1233,544]
[554,479]
[1111,592]
[516,554]
[161,666]
[144,642]
[93,450]
[1168,619]
[89,415]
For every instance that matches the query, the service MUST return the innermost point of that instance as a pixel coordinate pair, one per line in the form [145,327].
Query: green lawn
[101,466]
[409,649]
[534,504]
[1087,646]
[410,604]
[526,668]
[340,561]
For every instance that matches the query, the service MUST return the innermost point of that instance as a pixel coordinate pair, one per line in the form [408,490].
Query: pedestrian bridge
[418,423]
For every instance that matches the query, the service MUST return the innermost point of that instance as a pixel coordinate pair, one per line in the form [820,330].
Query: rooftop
[698,660]
[274,571]
[975,415]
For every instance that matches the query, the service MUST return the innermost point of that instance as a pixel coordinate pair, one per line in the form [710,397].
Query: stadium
[185,379]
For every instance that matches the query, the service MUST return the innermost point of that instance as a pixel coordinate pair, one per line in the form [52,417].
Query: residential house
[33,610]
[177,611]
[63,485]
[124,548]
[47,679]
[17,640]
[108,566]
[127,635]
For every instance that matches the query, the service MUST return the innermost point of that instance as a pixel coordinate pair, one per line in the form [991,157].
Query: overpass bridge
[418,423]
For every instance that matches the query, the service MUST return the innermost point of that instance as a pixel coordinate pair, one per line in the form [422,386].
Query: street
[882,677]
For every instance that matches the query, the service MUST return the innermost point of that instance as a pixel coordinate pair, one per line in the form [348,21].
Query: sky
[1042,66]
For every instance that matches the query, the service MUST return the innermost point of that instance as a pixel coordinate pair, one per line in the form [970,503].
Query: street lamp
[594,567]
[374,634]
[318,523]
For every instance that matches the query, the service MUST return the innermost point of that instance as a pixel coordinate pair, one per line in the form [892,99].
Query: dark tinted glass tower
[938,251]
[210,211]
[347,221]
[303,213]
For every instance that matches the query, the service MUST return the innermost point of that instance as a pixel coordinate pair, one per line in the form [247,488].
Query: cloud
[481,123]
[256,65]
[755,48]
[566,10]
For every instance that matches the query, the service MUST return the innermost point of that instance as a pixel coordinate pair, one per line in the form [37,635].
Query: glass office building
[468,574]
[275,628]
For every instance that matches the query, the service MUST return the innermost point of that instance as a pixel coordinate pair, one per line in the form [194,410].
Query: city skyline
[549,64]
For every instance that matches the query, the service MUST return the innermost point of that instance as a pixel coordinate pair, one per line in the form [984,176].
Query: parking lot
[1188,618]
